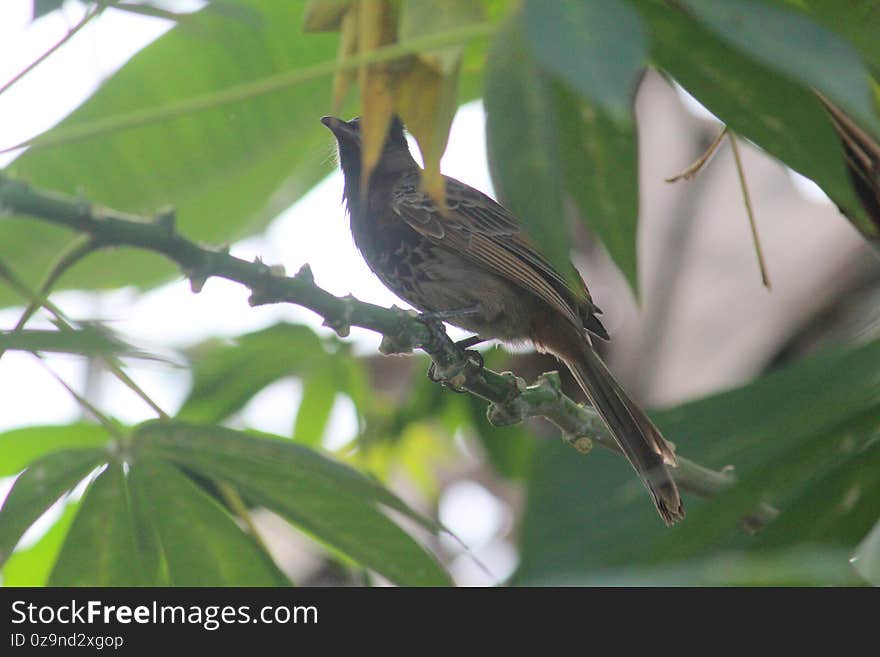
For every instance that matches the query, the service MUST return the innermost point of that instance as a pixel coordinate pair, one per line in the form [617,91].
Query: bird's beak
[341,129]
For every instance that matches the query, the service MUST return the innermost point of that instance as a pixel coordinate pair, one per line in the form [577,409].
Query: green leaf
[778,114]
[804,566]
[88,341]
[228,375]
[788,41]
[857,23]
[200,542]
[799,437]
[319,396]
[38,487]
[598,47]
[226,170]
[100,548]
[331,501]
[18,447]
[599,159]
[838,508]
[31,566]
[522,141]
[803,465]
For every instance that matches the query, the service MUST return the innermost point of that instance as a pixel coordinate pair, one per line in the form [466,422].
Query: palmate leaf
[329,500]
[800,438]
[199,542]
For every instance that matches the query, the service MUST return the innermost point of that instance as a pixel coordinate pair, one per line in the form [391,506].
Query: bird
[473,265]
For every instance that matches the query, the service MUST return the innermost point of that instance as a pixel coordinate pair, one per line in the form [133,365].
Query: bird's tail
[638,438]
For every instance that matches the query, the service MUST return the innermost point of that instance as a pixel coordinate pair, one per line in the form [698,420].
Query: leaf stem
[94,11]
[765,278]
[701,161]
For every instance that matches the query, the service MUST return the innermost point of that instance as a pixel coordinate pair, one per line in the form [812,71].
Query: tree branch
[511,400]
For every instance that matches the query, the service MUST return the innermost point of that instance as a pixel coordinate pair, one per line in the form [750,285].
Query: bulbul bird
[473,266]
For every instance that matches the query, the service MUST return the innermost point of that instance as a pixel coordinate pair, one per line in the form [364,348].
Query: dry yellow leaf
[426,101]
[348,45]
[375,28]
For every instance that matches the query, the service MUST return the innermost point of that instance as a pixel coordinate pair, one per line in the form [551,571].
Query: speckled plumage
[476,256]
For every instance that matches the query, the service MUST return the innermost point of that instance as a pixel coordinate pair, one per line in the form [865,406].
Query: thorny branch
[511,399]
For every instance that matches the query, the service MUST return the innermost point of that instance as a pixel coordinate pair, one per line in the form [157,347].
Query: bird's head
[395,158]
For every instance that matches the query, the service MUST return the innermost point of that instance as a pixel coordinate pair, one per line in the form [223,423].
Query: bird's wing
[481,230]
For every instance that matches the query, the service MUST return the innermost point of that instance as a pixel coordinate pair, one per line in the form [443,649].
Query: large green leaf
[522,140]
[39,487]
[333,502]
[18,447]
[785,39]
[100,548]
[599,162]
[200,542]
[777,113]
[227,170]
[799,437]
[839,508]
[598,47]
[857,23]
[804,566]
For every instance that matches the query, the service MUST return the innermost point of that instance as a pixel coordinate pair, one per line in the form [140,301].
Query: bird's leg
[472,341]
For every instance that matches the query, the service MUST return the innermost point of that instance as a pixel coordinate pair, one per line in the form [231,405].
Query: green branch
[511,400]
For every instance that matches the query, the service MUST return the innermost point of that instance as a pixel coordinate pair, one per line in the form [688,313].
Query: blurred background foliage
[218,118]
